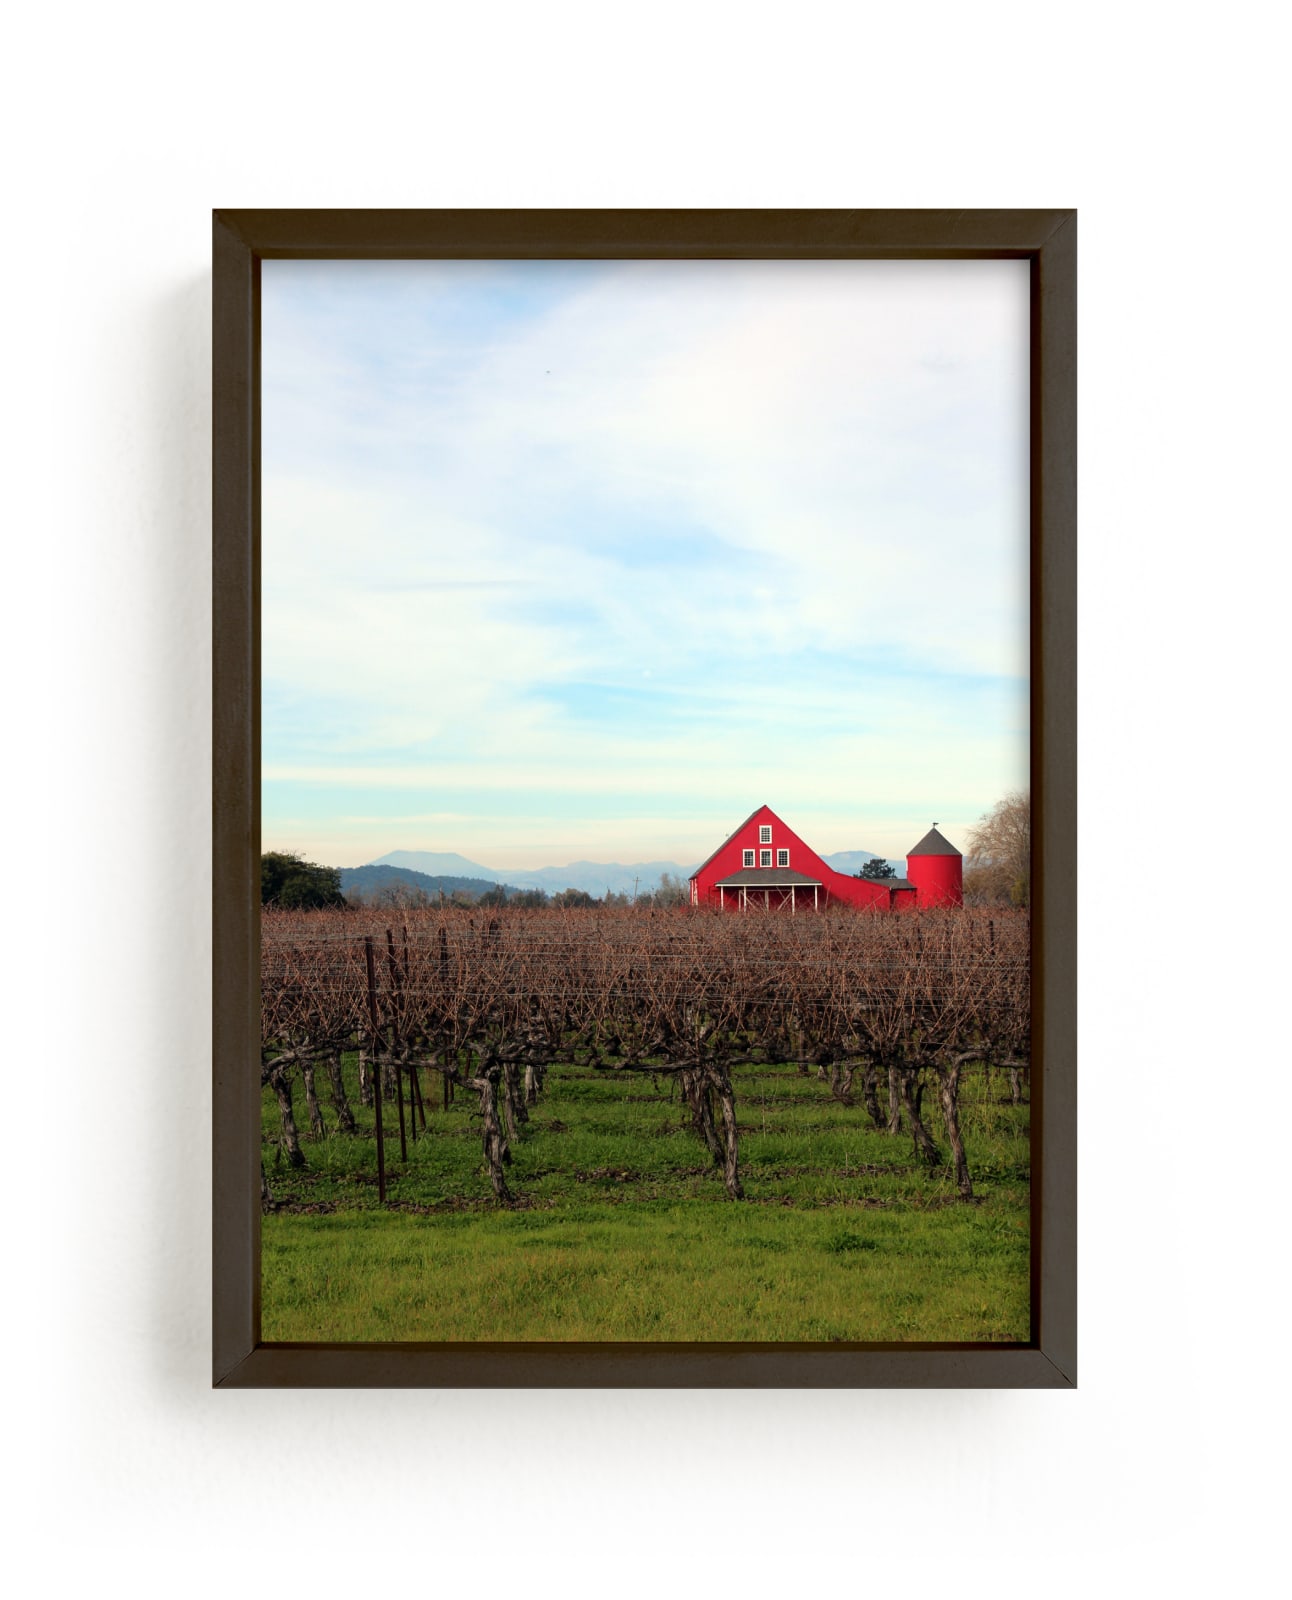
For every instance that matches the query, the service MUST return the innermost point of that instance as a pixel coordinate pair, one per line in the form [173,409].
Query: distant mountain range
[594,877]
[852,861]
[446,871]
[371,882]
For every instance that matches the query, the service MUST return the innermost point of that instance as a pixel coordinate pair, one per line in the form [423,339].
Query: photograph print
[645,817]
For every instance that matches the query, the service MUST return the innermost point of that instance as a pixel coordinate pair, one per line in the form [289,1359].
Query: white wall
[124,126]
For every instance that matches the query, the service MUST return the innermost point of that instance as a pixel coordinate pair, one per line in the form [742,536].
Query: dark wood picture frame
[243,239]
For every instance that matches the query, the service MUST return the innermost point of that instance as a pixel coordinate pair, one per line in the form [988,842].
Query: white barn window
[782,858]
[764,858]
[748,858]
[765,833]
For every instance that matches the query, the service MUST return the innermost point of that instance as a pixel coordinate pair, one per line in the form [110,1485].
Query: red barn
[766,866]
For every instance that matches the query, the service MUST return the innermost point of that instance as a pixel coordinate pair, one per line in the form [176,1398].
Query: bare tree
[998,865]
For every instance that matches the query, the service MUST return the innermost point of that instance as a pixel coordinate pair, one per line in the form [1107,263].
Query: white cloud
[828,458]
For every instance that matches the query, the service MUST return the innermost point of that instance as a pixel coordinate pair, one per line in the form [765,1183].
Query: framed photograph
[645,798]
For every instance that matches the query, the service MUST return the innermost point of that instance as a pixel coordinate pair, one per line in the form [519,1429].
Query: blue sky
[587,560]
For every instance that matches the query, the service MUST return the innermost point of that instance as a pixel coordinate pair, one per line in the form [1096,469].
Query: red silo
[936,868]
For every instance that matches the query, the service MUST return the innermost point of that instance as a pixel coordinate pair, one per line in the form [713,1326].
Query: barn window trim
[764,858]
[765,833]
[748,858]
[782,858]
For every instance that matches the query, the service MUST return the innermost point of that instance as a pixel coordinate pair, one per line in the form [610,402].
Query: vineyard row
[491,1002]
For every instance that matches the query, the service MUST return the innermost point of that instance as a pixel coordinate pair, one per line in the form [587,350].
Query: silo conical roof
[933,844]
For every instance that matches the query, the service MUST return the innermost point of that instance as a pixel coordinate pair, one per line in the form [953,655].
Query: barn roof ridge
[933,844]
[731,836]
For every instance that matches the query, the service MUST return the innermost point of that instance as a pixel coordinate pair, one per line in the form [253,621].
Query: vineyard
[720,1079]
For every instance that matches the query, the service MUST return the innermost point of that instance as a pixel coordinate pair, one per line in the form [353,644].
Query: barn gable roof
[729,838]
[933,844]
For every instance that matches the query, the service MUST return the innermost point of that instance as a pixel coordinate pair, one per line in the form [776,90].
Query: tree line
[291,883]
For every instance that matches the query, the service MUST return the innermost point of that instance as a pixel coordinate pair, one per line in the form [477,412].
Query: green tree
[289,881]
[876,869]
[577,898]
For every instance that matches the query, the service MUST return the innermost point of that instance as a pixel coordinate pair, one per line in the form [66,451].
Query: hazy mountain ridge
[593,877]
[852,861]
[370,882]
[433,870]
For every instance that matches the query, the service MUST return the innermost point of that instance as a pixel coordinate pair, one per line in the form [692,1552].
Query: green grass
[622,1229]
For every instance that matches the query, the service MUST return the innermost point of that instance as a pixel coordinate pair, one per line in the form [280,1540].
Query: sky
[587,560]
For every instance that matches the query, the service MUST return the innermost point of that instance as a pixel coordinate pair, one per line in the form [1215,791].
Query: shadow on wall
[167,422]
